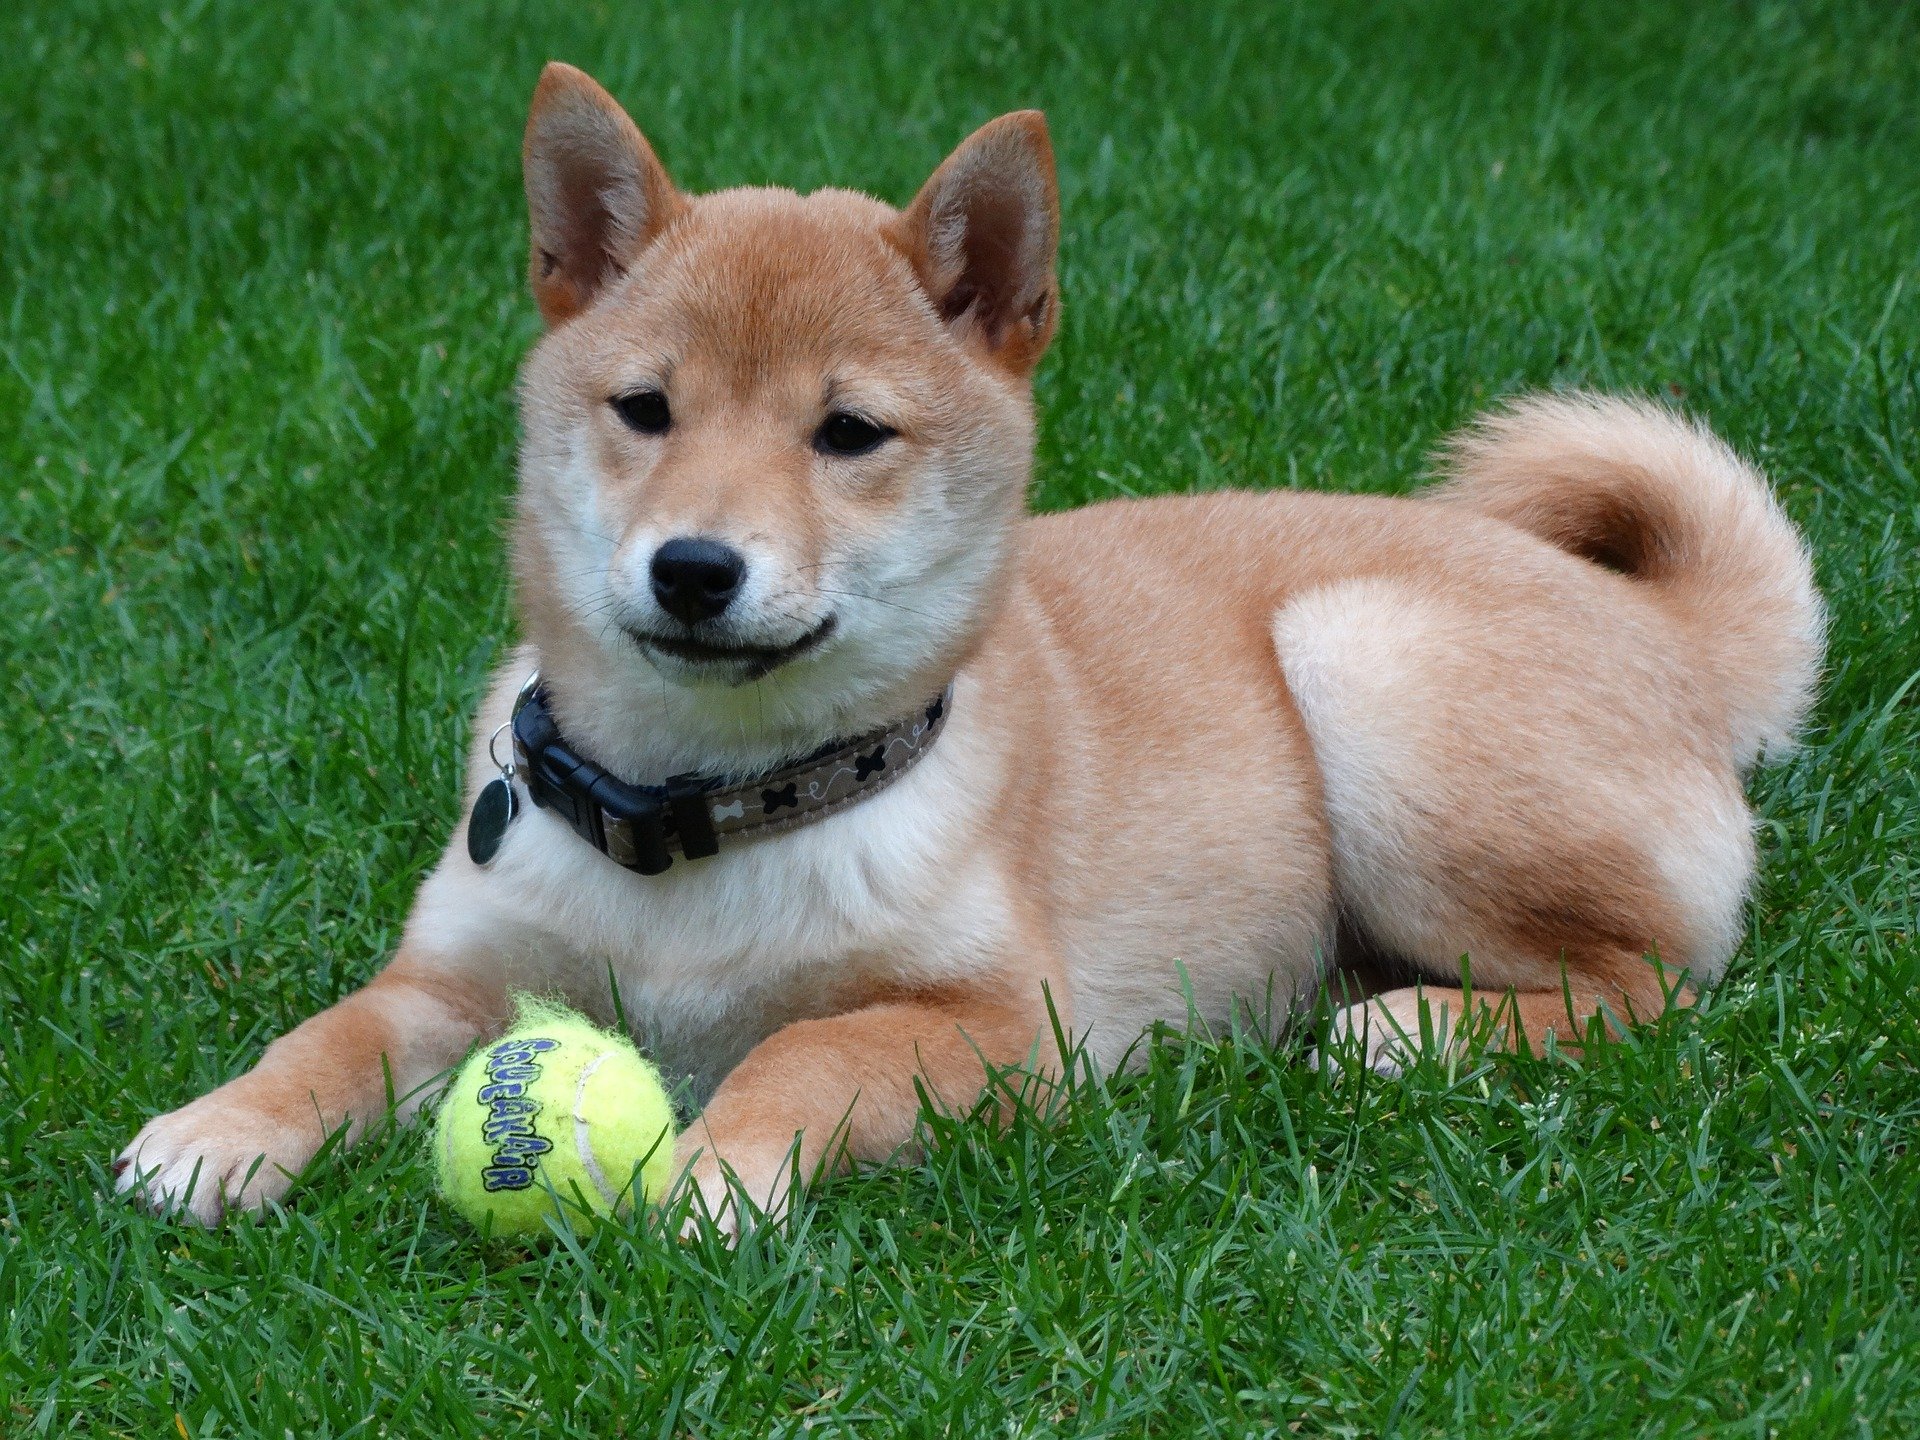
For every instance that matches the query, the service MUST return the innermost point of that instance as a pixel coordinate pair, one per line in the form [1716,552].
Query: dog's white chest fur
[711,956]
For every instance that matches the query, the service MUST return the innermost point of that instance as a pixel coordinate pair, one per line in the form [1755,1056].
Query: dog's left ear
[982,234]
[596,193]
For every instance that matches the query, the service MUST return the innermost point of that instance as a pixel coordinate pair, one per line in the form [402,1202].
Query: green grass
[262,307]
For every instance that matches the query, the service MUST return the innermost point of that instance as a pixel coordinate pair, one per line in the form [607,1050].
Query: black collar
[642,826]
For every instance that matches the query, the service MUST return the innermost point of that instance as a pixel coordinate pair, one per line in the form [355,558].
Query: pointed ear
[982,234]
[595,193]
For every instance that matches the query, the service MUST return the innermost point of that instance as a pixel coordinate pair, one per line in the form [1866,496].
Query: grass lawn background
[263,302]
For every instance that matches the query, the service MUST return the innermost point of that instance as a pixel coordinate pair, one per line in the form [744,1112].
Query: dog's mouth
[753,661]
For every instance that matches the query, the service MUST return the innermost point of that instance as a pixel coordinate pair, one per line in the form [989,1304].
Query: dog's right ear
[982,234]
[596,194]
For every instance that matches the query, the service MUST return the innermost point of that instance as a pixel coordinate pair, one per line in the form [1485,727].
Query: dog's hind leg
[1496,794]
[1390,1029]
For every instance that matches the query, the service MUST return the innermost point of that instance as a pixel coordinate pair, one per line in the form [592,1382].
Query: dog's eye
[845,433]
[644,410]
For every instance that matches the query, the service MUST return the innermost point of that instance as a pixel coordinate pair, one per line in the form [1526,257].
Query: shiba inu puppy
[850,777]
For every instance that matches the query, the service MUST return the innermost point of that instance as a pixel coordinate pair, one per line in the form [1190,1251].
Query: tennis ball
[554,1113]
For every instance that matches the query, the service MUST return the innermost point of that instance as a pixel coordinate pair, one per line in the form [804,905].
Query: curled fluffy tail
[1632,486]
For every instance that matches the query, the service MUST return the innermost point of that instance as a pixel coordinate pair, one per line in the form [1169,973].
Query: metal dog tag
[492,813]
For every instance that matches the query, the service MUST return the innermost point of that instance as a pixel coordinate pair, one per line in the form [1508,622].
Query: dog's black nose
[695,580]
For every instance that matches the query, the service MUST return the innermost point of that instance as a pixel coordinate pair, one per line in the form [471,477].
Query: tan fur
[1197,745]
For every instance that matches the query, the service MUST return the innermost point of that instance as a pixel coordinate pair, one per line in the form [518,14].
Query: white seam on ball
[583,1134]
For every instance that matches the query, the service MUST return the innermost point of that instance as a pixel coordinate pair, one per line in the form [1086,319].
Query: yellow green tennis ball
[554,1110]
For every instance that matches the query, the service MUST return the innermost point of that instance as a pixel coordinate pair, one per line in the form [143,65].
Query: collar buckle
[633,828]
[692,823]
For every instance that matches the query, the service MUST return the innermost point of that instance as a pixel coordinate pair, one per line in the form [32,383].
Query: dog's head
[771,437]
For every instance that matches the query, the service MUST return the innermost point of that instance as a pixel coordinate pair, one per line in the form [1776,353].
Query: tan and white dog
[1194,748]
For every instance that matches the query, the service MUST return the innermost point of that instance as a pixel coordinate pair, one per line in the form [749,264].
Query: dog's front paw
[724,1193]
[1389,1031]
[220,1153]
